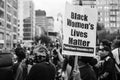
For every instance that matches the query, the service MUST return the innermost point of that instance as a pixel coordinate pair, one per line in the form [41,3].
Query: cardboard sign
[79,30]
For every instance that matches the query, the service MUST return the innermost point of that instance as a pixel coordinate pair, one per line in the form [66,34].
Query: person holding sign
[69,71]
[80,39]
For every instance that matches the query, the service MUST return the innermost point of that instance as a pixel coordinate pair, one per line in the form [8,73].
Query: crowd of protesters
[45,61]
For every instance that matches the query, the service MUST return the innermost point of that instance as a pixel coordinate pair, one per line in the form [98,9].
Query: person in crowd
[57,60]
[20,68]
[44,69]
[116,56]
[6,63]
[105,42]
[57,55]
[107,67]
[86,67]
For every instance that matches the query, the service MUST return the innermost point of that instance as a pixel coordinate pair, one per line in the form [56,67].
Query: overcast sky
[52,7]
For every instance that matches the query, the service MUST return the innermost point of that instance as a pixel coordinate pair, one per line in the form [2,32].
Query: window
[27,20]
[7,37]
[18,29]
[112,13]
[14,21]
[27,38]
[112,24]
[106,25]
[118,12]
[112,19]
[9,9]
[1,14]
[1,36]
[100,19]
[8,18]
[106,7]
[118,25]
[52,33]
[14,36]
[92,6]
[100,13]
[27,25]
[8,26]
[18,25]
[18,34]
[114,7]
[2,4]
[1,23]
[15,13]
[9,1]
[27,34]
[106,13]
[107,2]
[100,7]
[100,2]
[118,18]
[1,45]
[27,29]
[106,19]
[8,43]
[14,29]
[15,4]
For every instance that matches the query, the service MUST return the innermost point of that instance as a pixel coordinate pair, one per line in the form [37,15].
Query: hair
[116,44]
[106,48]
[106,42]
[20,53]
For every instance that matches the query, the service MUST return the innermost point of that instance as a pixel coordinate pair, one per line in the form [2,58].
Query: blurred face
[102,53]
[42,52]
[41,55]
[101,46]
[113,46]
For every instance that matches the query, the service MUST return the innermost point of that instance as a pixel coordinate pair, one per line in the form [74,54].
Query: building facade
[8,23]
[109,14]
[90,3]
[40,22]
[50,24]
[50,28]
[26,21]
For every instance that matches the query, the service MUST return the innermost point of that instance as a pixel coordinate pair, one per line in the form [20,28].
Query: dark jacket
[6,72]
[42,71]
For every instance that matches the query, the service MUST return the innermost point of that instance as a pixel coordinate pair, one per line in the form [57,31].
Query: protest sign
[79,30]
